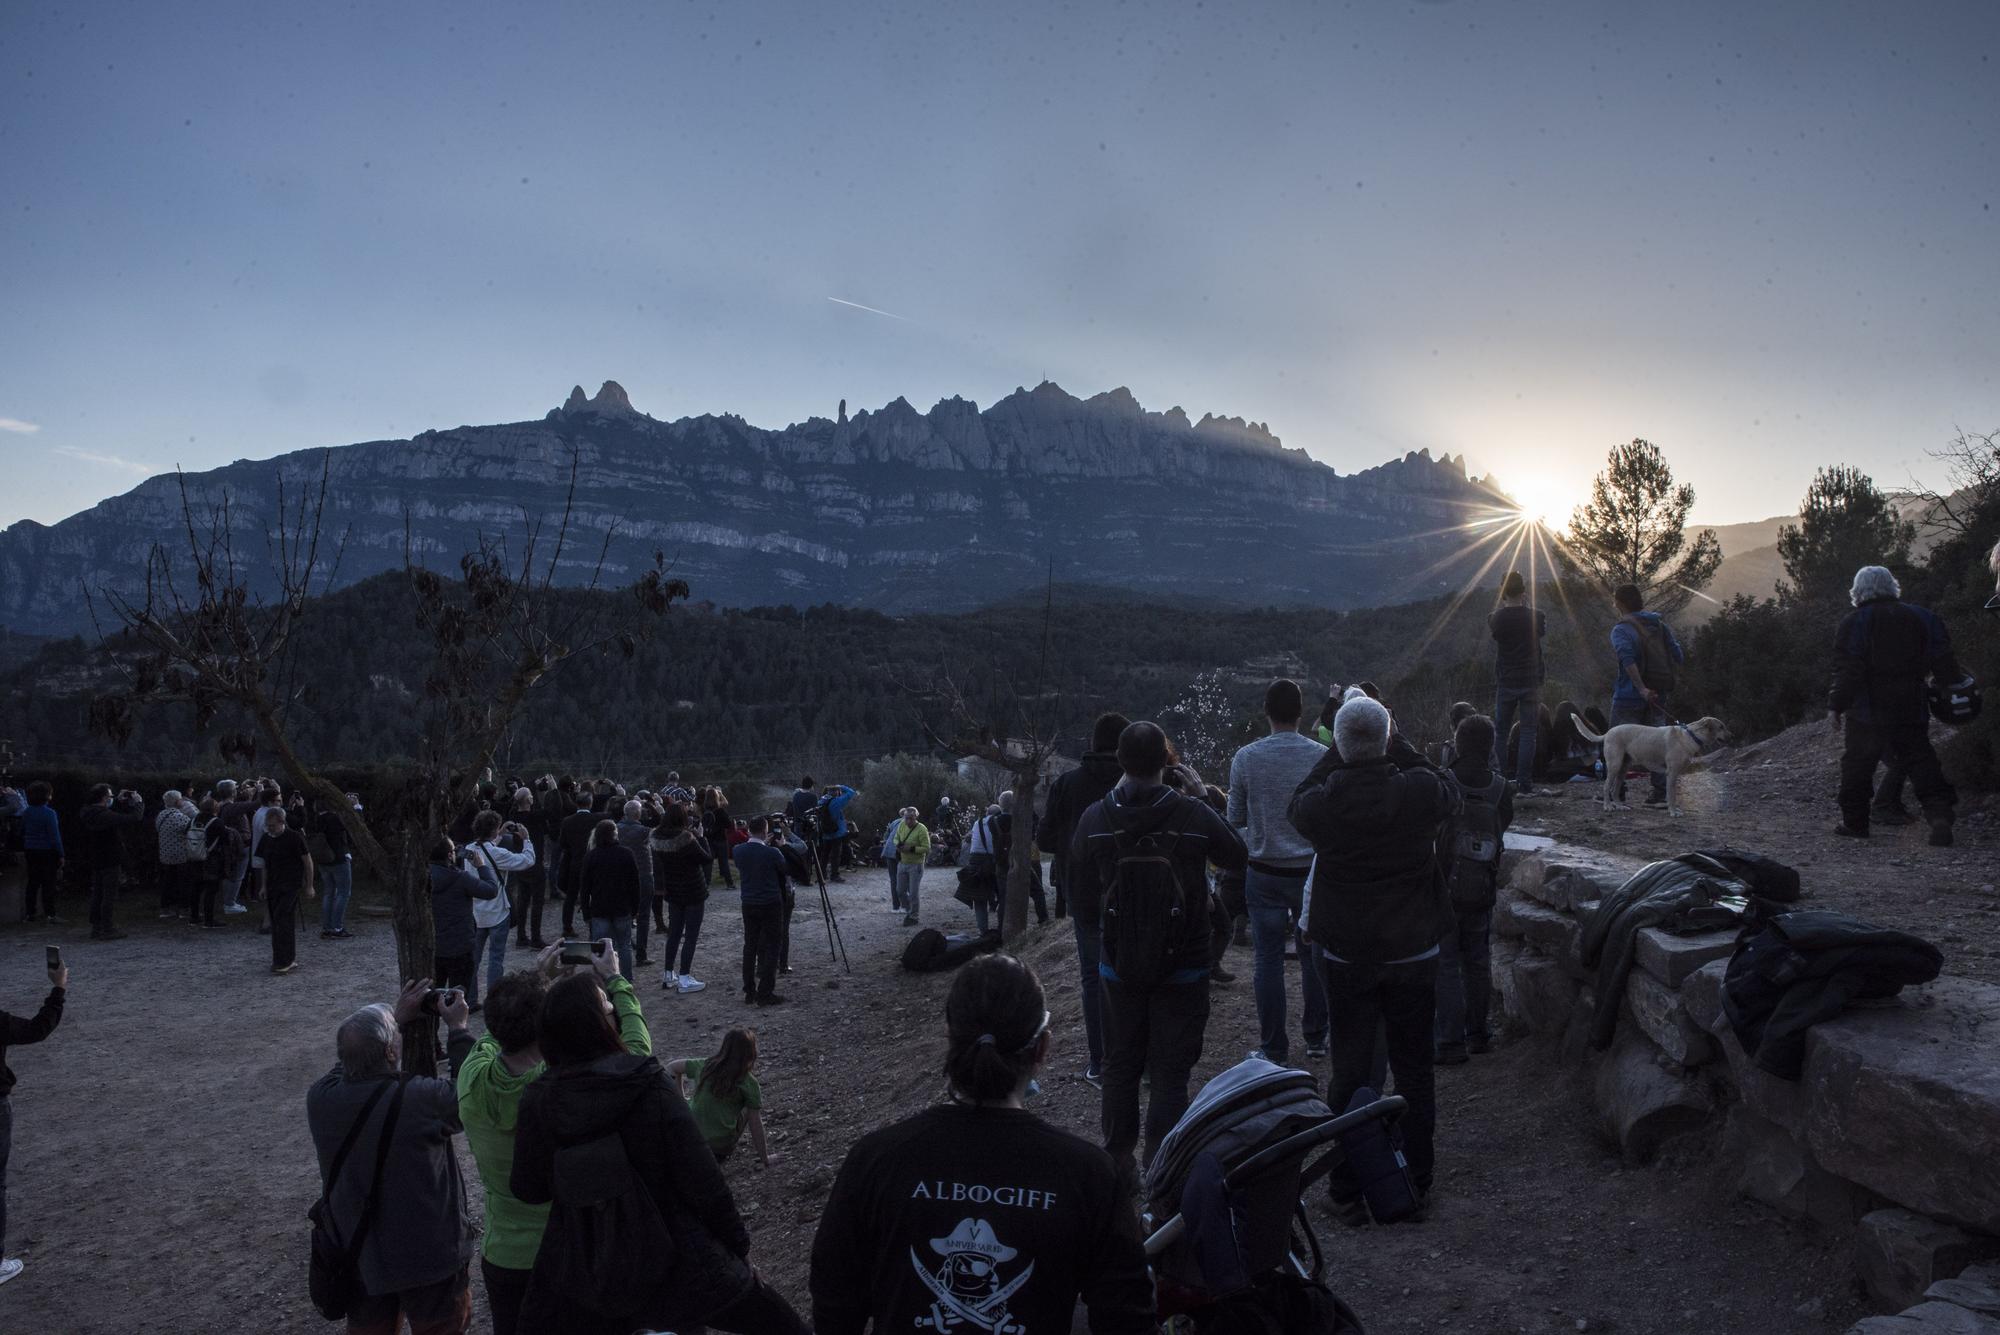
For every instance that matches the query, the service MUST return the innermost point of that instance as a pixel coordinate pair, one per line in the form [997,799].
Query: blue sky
[1763,236]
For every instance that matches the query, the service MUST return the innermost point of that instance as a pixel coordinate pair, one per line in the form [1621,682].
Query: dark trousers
[1401,1000]
[643,924]
[763,929]
[1889,792]
[42,881]
[683,927]
[453,971]
[1510,703]
[443,1308]
[6,1151]
[761,1311]
[207,892]
[569,903]
[103,896]
[1465,979]
[283,902]
[1638,711]
[1154,1032]
[1090,991]
[530,888]
[172,883]
[505,1289]
[1904,744]
[785,929]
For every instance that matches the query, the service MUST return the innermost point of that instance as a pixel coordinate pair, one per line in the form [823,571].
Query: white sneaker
[234,908]
[9,1268]
[690,983]
[670,980]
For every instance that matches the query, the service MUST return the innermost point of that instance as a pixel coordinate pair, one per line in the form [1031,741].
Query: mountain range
[892,509]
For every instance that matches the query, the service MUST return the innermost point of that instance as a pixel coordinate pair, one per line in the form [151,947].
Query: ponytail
[994,1017]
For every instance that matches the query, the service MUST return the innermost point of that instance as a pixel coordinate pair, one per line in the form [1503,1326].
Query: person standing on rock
[1377,914]
[1884,652]
[1518,672]
[1649,659]
[1262,778]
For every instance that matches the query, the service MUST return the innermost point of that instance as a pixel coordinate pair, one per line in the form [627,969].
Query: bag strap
[367,1218]
[353,1134]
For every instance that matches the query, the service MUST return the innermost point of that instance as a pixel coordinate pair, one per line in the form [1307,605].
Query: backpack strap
[353,1134]
[367,1219]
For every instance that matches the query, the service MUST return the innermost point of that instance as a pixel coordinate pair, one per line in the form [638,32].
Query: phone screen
[577,952]
[55,957]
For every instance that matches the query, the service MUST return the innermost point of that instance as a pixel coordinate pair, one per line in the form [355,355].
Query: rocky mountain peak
[611,400]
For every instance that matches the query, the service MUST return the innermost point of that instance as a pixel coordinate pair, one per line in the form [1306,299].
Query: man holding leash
[1649,658]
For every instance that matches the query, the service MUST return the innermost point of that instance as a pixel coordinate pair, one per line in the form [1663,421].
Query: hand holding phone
[577,952]
[58,971]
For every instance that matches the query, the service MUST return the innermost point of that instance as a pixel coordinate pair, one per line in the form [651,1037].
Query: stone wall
[1893,1131]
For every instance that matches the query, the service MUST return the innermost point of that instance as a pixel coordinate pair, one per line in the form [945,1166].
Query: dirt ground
[161,1168]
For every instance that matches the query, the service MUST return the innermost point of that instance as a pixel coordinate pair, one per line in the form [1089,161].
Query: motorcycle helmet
[1957,704]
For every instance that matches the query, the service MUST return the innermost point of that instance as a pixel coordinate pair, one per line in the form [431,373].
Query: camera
[436,999]
[808,825]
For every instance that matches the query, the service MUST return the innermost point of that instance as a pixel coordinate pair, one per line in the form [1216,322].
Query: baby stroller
[1237,1252]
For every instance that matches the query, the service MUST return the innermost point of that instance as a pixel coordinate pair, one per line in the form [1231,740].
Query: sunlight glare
[1542,499]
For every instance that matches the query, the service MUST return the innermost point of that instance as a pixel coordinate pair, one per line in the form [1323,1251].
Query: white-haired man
[416,1240]
[1376,913]
[1884,654]
[170,829]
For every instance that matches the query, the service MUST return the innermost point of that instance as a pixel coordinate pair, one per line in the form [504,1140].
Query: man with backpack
[1376,914]
[1069,797]
[1139,882]
[1649,660]
[392,1194]
[1472,844]
[1518,672]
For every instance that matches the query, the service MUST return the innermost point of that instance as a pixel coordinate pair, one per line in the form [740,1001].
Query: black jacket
[573,834]
[629,1095]
[1377,893]
[1136,809]
[1071,795]
[452,891]
[16,1030]
[103,844]
[1805,967]
[1882,653]
[677,863]
[609,884]
[1517,646]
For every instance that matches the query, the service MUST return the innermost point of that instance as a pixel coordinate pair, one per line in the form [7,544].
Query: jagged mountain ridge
[893,509]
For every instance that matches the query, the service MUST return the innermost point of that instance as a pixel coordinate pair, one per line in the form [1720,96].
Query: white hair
[366,1041]
[632,810]
[171,798]
[1353,693]
[1007,800]
[1871,583]
[1993,560]
[1361,730]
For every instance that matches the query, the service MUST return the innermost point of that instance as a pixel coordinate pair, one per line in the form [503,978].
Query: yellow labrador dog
[1671,749]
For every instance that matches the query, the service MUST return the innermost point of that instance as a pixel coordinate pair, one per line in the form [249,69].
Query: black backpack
[606,1244]
[1656,661]
[1148,919]
[1474,878]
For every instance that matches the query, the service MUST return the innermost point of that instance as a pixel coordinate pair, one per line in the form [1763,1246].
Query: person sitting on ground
[19,1031]
[726,1099]
[681,858]
[1375,912]
[607,1118]
[416,1254]
[902,1246]
[1469,850]
[502,1064]
[1155,984]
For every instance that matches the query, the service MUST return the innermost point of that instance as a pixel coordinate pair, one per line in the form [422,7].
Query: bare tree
[493,631]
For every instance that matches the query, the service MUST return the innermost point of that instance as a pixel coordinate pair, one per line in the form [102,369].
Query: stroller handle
[1295,1146]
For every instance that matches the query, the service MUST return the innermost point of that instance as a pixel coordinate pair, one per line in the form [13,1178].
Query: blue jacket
[41,829]
[761,870]
[1625,643]
[836,810]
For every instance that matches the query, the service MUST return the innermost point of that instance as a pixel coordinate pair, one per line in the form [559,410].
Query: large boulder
[1899,1255]
[1657,1010]
[1905,1100]
[1672,958]
[1644,1100]
[1552,932]
[1977,1289]
[1771,1166]
[1543,992]
[1701,994]
[1928,1319]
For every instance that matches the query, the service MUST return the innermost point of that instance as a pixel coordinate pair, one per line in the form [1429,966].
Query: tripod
[836,948]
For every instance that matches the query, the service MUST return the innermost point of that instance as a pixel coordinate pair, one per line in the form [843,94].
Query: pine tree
[1845,523]
[1634,531]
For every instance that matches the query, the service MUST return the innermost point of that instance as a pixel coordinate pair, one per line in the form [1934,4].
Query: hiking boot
[1941,834]
[1350,1210]
[1846,831]
[1889,816]
[1221,975]
[749,996]
[775,999]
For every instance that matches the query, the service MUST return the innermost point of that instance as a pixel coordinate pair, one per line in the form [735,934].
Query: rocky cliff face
[893,509]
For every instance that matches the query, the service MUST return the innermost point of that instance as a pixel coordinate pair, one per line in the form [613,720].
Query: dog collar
[1699,745]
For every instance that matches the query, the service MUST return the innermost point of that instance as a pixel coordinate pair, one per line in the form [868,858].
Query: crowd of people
[1337,841]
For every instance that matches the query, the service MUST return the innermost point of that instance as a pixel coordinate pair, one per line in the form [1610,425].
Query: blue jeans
[1093,1014]
[683,928]
[1638,711]
[338,884]
[1526,703]
[1465,979]
[1273,903]
[619,929]
[492,943]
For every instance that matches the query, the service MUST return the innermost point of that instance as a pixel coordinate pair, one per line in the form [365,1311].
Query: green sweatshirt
[913,844]
[489,1099]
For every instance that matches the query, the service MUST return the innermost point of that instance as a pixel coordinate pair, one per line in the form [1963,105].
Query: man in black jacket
[1154,1030]
[1883,654]
[16,1030]
[102,820]
[1517,677]
[1376,909]
[573,839]
[1070,796]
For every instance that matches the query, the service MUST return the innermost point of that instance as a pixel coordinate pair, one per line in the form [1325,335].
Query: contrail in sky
[870,309]
[1699,594]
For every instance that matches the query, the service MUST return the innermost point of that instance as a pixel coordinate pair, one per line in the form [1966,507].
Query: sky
[1764,237]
